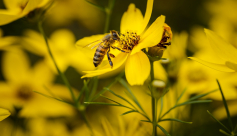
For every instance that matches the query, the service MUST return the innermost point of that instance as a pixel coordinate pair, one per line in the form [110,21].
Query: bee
[166,37]
[104,46]
[158,49]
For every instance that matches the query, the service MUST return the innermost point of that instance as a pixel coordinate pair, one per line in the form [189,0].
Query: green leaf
[163,130]
[129,112]
[97,6]
[131,94]
[225,133]
[119,96]
[193,102]
[218,121]
[85,87]
[146,121]
[94,88]
[116,102]
[181,95]
[201,95]
[58,99]
[177,120]
[161,106]
[226,106]
[101,103]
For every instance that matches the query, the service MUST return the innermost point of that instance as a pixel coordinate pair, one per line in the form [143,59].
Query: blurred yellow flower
[5,41]
[18,8]
[137,65]
[4,114]
[62,46]
[22,80]
[225,52]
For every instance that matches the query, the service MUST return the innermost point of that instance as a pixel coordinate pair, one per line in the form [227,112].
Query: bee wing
[88,45]
[96,45]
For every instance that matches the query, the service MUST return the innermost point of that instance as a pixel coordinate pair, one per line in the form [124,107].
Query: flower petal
[152,36]
[4,114]
[117,61]
[137,68]
[15,65]
[132,15]
[147,17]
[219,67]
[6,17]
[31,5]
[222,49]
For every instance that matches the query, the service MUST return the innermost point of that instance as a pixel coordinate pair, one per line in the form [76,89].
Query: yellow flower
[224,52]
[4,114]
[62,46]
[5,41]
[137,65]
[22,80]
[18,8]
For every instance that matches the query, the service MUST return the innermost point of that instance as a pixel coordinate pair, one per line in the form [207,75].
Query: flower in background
[4,114]
[137,65]
[5,41]
[224,58]
[19,8]
[22,80]
[62,46]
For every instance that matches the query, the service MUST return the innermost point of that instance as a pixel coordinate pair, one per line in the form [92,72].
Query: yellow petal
[231,65]
[222,49]
[31,5]
[137,68]
[4,114]
[6,17]
[152,36]
[132,19]
[219,67]
[147,17]
[15,65]
[117,61]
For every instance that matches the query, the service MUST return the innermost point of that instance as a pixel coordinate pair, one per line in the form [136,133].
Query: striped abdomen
[99,54]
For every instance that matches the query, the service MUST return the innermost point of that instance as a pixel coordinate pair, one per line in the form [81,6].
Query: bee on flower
[133,38]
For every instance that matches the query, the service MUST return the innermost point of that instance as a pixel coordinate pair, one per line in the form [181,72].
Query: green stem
[59,72]
[108,12]
[153,101]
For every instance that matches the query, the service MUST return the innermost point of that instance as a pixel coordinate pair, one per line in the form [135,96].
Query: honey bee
[104,48]
[158,49]
[166,37]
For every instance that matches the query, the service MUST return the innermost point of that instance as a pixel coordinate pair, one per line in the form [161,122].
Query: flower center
[128,40]
[24,93]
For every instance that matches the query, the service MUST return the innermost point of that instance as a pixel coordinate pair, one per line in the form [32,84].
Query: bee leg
[110,61]
[119,49]
[111,55]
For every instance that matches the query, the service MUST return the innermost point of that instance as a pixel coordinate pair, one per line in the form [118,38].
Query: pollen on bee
[129,40]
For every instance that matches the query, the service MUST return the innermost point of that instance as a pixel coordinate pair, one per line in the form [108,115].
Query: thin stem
[108,12]
[153,101]
[59,72]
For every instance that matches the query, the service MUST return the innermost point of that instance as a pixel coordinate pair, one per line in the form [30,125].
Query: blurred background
[26,67]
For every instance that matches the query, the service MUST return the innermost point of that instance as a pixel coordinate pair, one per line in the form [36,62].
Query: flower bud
[159,86]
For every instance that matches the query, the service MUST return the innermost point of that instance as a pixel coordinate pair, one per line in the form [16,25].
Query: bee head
[115,35]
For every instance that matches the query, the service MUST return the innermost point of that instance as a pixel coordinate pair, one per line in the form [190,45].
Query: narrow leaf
[85,87]
[163,130]
[146,121]
[116,102]
[129,112]
[225,133]
[58,99]
[119,96]
[101,103]
[94,88]
[97,6]
[181,95]
[218,121]
[201,95]
[226,106]
[177,120]
[161,106]
[131,94]
[193,102]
